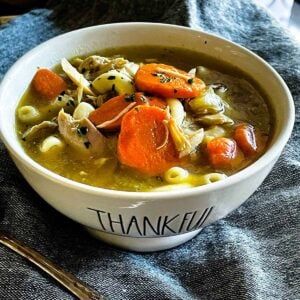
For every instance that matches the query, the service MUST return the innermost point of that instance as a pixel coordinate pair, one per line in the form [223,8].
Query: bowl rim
[268,157]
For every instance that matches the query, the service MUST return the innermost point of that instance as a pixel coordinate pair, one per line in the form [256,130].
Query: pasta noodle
[176,175]
[211,177]
[28,114]
[50,142]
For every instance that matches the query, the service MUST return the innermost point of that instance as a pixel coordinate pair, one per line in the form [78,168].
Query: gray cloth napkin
[251,254]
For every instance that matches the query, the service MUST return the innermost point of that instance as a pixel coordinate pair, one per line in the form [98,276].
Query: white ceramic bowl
[144,221]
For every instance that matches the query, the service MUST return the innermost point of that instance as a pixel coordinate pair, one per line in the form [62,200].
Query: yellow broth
[246,103]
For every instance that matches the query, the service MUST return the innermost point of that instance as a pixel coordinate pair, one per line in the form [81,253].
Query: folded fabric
[251,254]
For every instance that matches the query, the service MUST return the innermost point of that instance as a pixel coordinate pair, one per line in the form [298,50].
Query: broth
[242,99]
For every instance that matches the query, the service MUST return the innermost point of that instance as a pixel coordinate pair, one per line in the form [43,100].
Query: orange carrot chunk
[144,143]
[109,115]
[222,153]
[245,138]
[167,81]
[48,84]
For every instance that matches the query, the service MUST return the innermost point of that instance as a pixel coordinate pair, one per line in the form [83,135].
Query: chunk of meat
[39,129]
[82,135]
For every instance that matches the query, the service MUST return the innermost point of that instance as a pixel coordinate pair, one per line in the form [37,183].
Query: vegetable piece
[48,84]
[213,132]
[223,153]
[113,81]
[245,138]
[167,81]
[217,119]
[207,103]
[109,114]
[76,77]
[176,110]
[39,129]
[142,134]
[82,110]
[181,142]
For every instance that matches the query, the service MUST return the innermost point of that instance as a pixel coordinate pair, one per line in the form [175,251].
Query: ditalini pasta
[143,119]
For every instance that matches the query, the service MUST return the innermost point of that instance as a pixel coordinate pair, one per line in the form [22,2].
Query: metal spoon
[73,284]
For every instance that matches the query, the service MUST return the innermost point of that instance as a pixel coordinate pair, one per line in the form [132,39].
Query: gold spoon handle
[73,284]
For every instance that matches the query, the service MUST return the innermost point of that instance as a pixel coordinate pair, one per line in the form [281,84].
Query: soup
[143,119]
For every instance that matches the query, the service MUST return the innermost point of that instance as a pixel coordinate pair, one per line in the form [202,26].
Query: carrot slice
[223,153]
[109,115]
[167,81]
[245,138]
[144,143]
[48,84]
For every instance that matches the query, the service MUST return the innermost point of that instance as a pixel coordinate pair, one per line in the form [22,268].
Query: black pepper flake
[113,88]
[112,77]
[63,93]
[72,102]
[82,130]
[87,145]
[205,42]
[175,91]
[190,81]
[154,74]
[129,98]
[24,139]
[59,98]
[83,70]
[137,109]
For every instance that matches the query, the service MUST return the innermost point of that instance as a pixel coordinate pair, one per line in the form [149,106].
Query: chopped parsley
[163,78]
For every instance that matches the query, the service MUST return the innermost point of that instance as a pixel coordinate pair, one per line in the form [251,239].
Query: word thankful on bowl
[146,226]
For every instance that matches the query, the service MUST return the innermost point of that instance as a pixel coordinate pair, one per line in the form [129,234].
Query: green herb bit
[164,78]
